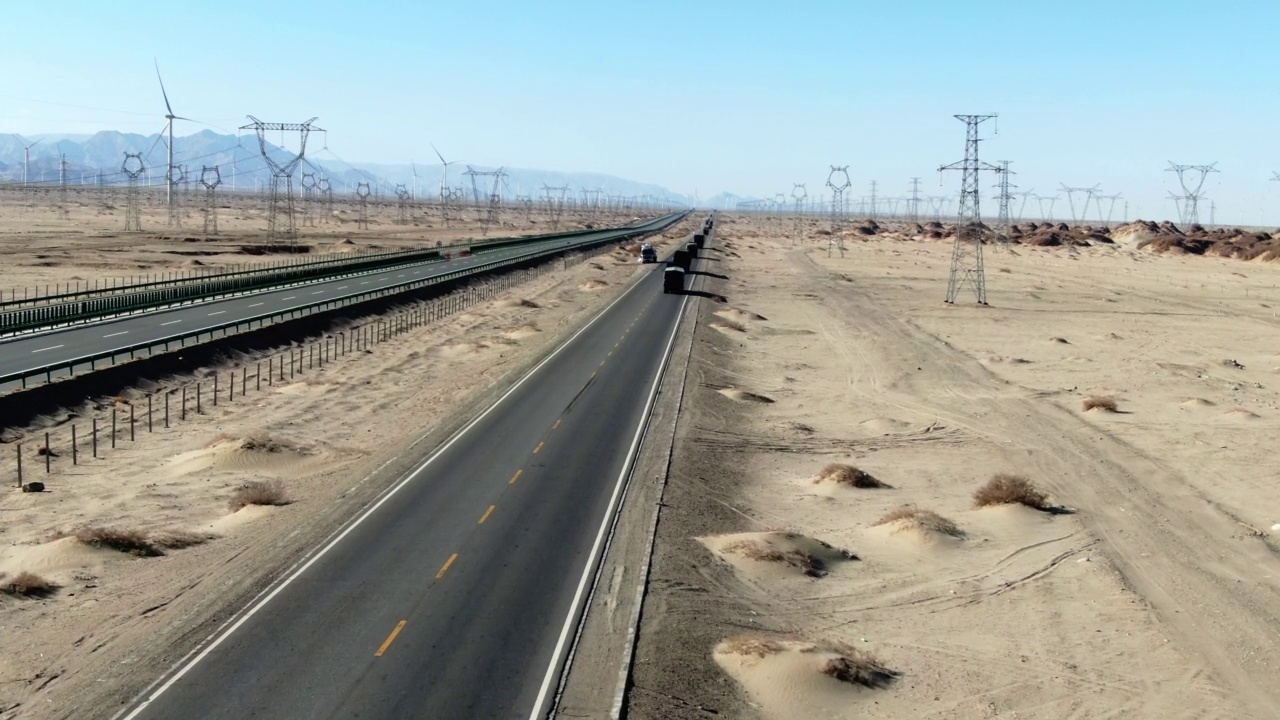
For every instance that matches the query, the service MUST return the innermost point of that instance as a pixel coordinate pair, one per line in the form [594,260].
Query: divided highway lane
[451,597]
[23,353]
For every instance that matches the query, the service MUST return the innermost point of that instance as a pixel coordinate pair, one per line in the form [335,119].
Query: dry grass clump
[859,668]
[270,492]
[1098,402]
[751,645]
[842,474]
[912,516]
[134,542]
[762,552]
[178,539]
[28,585]
[1004,489]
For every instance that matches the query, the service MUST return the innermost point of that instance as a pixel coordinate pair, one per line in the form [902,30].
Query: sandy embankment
[1156,598]
[328,439]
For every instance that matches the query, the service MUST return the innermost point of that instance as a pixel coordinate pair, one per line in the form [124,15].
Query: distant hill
[91,159]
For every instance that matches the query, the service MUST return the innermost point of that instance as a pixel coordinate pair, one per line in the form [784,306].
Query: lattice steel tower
[308,199]
[402,204]
[1002,237]
[132,213]
[280,223]
[363,192]
[1191,178]
[838,181]
[913,203]
[210,178]
[966,253]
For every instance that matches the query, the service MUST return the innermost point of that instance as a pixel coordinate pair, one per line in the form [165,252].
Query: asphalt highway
[63,345]
[451,597]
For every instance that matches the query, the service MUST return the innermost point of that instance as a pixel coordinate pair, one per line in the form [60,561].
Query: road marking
[170,322]
[553,427]
[318,292]
[593,375]
[535,450]
[366,282]
[447,563]
[255,305]
[400,275]
[610,355]
[485,516]
[217,313]
[516,477]
[55,347]
[122,332]
[164,683]
[602,362]
[343,287]
[290,297]
[390,638]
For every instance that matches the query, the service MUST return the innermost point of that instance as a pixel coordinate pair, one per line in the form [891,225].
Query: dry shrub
[525,302]
[28,585]
[1004,489]
[843,474]
[1096,402]
[134,542]
[859,668]
[762,552]
[749,645]
[923,519]
[270,492]
[178,539]
[1005,270]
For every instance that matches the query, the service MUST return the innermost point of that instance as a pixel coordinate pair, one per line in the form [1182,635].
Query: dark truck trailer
[673,279]
[699,239]
[692,249]
[681,259]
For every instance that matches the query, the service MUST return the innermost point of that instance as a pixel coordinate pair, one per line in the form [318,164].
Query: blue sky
[745,97]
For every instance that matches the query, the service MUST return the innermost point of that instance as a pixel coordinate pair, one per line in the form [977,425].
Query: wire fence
[46,454]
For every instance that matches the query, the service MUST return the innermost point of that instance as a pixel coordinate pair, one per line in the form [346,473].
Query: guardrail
[68,367]
[168,293]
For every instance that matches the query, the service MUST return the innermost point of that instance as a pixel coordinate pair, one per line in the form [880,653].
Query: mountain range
[99,158]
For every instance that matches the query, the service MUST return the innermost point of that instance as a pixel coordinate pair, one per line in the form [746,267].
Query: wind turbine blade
[442,162]
[159,139]
[162,92]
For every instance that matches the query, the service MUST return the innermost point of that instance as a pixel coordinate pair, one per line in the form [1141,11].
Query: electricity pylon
[280,222]
[1089,193]
[1002,237]
[1191,178]
[211,178]
[488,209]
[308,199]
[913,204]
[132,213]
[363,192]
[966,253]
[402,204]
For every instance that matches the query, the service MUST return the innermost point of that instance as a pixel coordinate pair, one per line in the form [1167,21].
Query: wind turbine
[444,176]
[415,180]
[26,155]
[169,118]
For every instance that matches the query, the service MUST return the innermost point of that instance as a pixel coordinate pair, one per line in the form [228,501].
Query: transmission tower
[966,253]
[280,222]
[1046,214]
[325,188]
[1002,237]
[1088,192]
[913,203]
[838,181]
[554,197]
[211,178]
[798,195]
[487,210]
[132,212]
[363,192]
[1023,205]
[402,204]
[308,199]
[1111,207]
[1191,178]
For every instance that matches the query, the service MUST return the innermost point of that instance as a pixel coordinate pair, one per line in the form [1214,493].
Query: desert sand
[328,440]
[1145,588]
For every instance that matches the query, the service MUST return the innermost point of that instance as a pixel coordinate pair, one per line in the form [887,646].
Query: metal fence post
[48,454]
[131,421]
[94,437]
[231,387]
[19,464]
[257,377]
[113,426]
[215,393]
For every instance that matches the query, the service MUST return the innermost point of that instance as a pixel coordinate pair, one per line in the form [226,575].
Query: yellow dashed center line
[535,450]
[516,477]
[447,563]
[553,427]
[485,516]
[390,638]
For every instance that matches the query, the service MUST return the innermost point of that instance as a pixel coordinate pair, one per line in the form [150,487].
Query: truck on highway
[648,254]
[673,279]
[681,259]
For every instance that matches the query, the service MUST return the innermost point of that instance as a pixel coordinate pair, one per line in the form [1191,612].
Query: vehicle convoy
[648,254]
[673,279]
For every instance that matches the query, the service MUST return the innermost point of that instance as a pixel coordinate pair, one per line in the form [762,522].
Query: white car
[648,254]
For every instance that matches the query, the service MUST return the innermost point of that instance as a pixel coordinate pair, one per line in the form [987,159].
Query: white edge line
[609,517]
[220,635]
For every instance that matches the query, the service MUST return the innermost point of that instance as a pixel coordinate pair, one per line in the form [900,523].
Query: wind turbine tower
[169,118]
